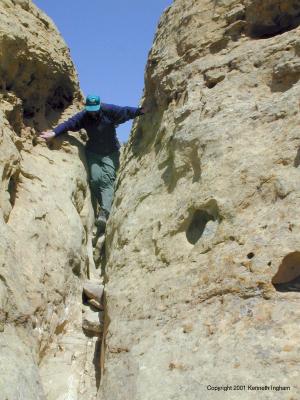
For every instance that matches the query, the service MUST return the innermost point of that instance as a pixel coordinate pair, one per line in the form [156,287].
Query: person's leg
[109,166]
[95,174]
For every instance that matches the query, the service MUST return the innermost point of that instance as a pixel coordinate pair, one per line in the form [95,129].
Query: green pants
[103,171]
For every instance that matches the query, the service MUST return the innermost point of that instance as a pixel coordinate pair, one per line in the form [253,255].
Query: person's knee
[97,176]
[107,181]
[95,185]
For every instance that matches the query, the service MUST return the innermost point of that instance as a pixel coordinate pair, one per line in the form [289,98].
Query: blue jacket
[102,136]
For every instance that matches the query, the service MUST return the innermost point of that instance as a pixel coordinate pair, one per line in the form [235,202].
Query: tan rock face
[45,217]
[193,249]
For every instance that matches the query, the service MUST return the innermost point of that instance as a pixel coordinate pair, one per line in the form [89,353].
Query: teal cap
[92,103]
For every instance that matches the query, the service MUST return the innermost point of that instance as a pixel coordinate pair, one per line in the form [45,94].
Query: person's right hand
[47,135]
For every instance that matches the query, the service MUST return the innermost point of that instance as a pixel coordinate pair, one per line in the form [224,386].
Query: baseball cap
[92,103]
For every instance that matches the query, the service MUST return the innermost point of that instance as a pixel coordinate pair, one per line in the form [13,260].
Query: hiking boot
[102,219]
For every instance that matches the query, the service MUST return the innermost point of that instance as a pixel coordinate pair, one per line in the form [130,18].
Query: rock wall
[201,259]
[196,251]
[45,217]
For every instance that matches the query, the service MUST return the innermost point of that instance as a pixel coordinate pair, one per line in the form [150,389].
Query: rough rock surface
[192,250]
[92,321]
[45,217]
[93,290]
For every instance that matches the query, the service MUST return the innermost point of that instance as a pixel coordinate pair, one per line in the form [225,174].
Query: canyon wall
[45,217]
[205,228]
[203,239]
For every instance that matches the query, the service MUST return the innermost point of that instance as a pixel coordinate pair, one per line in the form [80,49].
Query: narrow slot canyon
[193,285]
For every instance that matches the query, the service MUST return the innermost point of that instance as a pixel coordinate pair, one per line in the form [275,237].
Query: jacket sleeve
[72,124]
[122,114]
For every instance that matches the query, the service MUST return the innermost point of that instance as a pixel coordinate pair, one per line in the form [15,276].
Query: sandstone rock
[45,216]
[93,290]
[194,254]
[92,322]
[213,214]
[95,303]
[99,246]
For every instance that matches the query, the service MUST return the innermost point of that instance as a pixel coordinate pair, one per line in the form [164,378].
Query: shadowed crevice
[268,18]
[263,19]
[96,362]
[287,278]
[282,23]
[12,189]
[297,159]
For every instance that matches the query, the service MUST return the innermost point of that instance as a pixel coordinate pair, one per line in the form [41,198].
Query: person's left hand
[47,135]
[144,109]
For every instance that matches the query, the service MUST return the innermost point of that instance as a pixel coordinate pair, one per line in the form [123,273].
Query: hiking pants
[103,171]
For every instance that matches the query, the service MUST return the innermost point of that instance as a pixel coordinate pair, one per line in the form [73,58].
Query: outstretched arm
[72,124]
[122,114]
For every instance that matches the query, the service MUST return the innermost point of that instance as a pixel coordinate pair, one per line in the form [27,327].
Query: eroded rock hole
[281,24]
[212,78]
[211,85]
[287,278]
[250,255]
[199,221]
[60,98]
[267,18]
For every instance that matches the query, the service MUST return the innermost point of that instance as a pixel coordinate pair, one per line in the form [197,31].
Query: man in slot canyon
[102,148]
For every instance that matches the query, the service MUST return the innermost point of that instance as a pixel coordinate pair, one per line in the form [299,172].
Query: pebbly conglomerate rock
[45,217]
[194,249]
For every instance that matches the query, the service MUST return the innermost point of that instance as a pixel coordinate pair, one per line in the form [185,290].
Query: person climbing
[102,148]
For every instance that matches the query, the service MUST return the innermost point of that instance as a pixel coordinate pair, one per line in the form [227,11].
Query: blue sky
[109,43]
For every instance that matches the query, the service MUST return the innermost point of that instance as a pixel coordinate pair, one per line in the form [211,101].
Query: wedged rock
[92,322]
[96,304]
[93,290]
